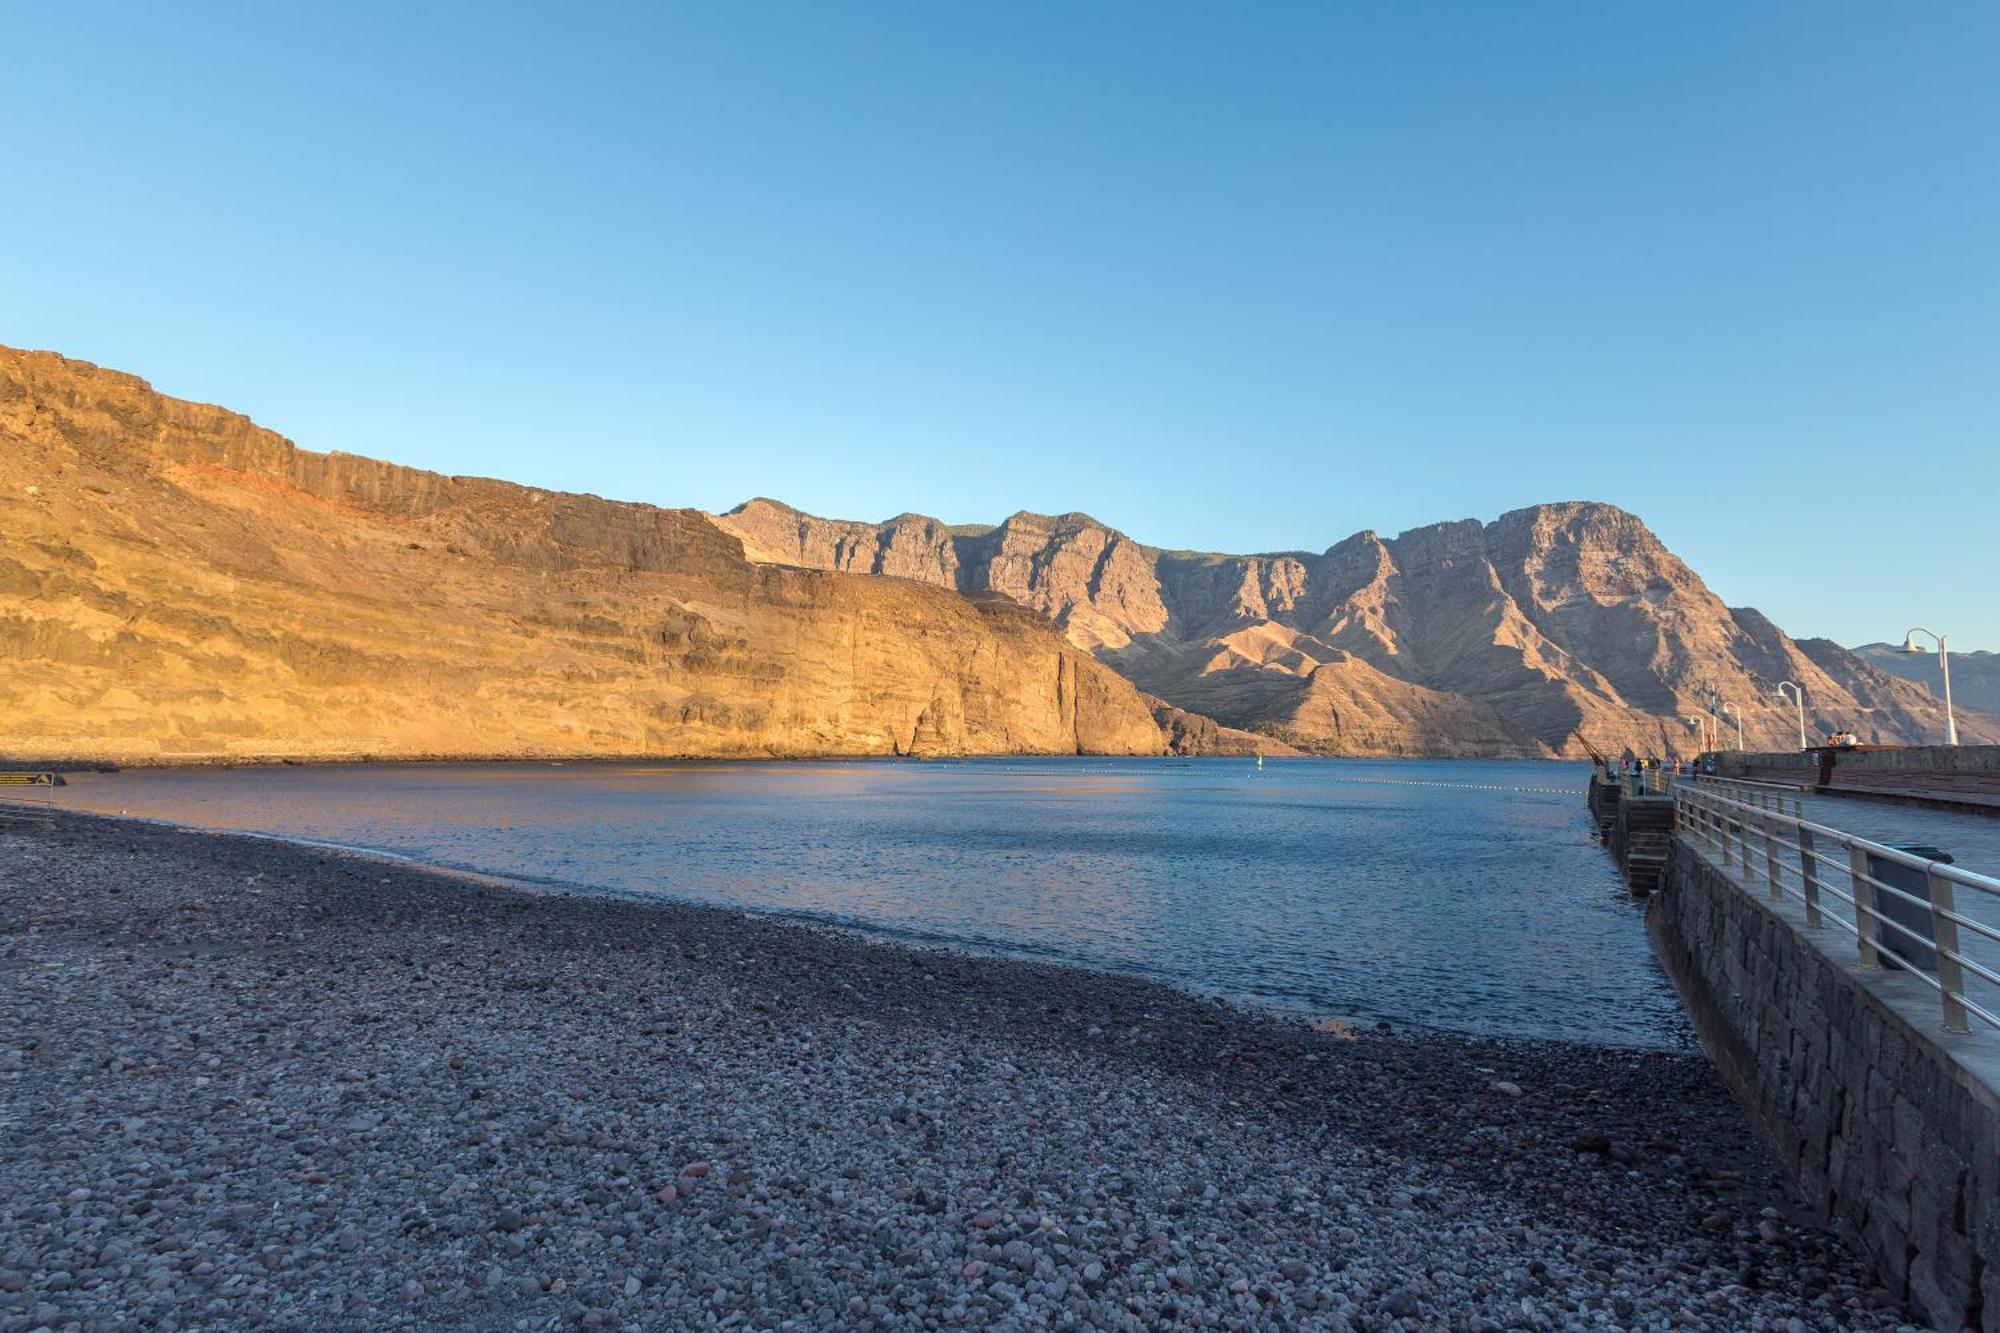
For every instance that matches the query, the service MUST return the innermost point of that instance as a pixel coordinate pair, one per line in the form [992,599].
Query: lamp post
[1944,663]
[1798,697]
[1731,710]
[1700,725]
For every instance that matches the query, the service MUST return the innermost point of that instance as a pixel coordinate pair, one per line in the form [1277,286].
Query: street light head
[1910,644]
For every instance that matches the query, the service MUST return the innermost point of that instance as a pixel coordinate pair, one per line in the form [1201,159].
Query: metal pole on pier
[1944,662]
[1798,696]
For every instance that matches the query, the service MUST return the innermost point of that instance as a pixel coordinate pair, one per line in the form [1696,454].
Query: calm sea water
[1464,895]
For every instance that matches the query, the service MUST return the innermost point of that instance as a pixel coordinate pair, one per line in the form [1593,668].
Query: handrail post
[1809,877]
[1944,937]
[1771,859]
[1714,813]
[1867,930]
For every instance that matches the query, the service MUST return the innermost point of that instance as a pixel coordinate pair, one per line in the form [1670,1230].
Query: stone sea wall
[1889,1126]
[1901,759]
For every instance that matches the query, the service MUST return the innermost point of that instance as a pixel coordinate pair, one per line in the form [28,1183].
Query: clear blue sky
[1226,276]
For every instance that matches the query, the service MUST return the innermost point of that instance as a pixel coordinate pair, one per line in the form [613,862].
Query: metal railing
[1637,781]
[1751,838]
[30,789]
[1764,795]
[1658,781]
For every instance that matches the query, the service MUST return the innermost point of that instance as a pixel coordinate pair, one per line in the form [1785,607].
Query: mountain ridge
[1547,627]
[1975,675]
[178,584]
[181,584]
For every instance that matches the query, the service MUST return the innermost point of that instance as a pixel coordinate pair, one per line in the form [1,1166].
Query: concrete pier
[1889,1125]
[1955,777]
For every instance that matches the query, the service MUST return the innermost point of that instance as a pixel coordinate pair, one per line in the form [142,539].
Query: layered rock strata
[178,584]
[1547,631]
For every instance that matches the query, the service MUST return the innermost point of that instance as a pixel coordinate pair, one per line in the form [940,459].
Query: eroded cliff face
[1548,627]
[1194,735]
[179,584]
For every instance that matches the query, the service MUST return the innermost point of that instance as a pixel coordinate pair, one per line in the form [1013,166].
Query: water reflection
[1467,895]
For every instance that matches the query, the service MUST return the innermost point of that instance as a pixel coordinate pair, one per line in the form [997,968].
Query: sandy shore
[247,1084]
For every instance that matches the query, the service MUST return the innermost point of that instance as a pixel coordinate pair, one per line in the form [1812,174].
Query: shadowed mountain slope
[1975,677]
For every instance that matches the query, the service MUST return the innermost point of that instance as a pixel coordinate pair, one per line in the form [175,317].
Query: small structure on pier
[1635,822]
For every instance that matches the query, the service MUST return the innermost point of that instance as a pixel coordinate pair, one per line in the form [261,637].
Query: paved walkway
[1972,840]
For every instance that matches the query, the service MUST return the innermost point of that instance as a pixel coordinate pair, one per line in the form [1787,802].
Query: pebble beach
[252,1084]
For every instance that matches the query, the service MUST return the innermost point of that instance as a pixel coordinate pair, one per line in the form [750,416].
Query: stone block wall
[1639,838]
[1889,1127]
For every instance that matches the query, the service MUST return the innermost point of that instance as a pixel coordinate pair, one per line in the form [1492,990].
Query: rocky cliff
[1193,734]
[1528,635]
[178,584]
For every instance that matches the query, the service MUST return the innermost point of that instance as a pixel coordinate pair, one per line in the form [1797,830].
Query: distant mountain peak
[470,607]
[1563,618]
[1975,675]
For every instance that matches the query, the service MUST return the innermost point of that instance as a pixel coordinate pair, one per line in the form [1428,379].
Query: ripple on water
[1459,894]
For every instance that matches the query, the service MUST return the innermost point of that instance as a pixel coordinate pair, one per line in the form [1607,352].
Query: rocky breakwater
[178,584]
[245,1084]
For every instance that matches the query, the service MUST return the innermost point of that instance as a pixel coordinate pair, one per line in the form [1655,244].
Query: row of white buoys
[1429,782]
